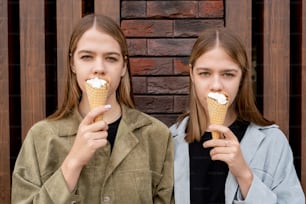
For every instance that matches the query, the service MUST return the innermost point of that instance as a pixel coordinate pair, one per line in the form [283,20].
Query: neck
[109,116]
[113,114]
[231,116]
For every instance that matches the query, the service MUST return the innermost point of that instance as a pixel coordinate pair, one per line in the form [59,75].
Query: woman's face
[98,55]
[215,71]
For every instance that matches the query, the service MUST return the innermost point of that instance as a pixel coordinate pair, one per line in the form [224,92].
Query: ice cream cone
[96,96]
[217,112]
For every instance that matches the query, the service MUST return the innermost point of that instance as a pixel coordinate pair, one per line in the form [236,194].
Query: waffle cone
[216,113]
[96,97]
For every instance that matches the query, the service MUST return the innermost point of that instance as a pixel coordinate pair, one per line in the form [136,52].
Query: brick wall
[160,35]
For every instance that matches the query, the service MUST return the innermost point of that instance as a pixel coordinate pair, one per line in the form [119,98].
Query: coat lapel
[126,140]
[124,144]
[181,163]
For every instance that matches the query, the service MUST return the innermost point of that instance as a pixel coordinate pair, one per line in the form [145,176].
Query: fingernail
[108,106]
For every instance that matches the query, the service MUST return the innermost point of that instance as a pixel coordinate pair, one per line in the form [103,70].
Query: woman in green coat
[127,157]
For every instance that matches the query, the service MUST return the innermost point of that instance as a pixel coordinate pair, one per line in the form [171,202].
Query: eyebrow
[222,70]
[90,52]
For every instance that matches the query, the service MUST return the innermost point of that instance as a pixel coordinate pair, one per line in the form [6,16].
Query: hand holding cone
[97,90]
[217,104]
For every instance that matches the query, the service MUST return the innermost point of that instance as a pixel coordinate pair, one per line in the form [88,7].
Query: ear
[191,72]
[124,69]
[72,67]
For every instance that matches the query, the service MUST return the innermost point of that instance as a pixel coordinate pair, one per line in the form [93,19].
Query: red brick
[193,27]
[155,104]
[211,9]
[168,85]
[147,28]
[139,85]
[169,47]
[151,66]
[133,9]
[171,9]
[137,46]
[168,119]
[180,103]
[181,65]
[160,36]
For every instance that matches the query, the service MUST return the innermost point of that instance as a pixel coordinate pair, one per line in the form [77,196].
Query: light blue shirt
[266,150]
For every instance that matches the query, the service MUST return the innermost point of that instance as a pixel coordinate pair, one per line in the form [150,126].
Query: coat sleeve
[285,186]
[27,184]
[164,193]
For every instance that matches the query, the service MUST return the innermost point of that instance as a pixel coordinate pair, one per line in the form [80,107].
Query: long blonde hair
[245,101]
[73,92]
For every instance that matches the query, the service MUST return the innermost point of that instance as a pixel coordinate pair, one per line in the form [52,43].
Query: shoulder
[42,127]
[136,119]
[270,133]
[178,128]
[62,127]
[154,121]
[267,140]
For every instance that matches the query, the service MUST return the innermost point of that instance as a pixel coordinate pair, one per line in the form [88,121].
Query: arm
[42,173]
[90,137]
[282,186]
[27,184]
[275,179]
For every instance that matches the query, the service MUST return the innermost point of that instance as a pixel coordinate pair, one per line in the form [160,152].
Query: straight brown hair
[244,102]
[73,92]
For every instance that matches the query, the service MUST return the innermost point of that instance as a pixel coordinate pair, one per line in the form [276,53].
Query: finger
[100,125]
[220,157]
[94,113]
[98,135]
[221,150]
[225,131]
[86,130]
[95,144]
[222,153]
[215,143]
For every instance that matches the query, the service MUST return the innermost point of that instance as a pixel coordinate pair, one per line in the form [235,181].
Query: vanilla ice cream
[96,82]
[219,97]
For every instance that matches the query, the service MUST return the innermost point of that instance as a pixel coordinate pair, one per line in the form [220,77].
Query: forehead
[216,57]
[95,39]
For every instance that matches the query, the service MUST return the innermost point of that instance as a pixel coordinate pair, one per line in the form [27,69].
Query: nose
[99,67]
[216,84]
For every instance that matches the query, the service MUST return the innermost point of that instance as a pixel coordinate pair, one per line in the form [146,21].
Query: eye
[86,57]
[204,73]
[228,74]
[111,59]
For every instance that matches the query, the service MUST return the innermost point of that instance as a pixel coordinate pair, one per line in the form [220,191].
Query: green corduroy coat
[139,170]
